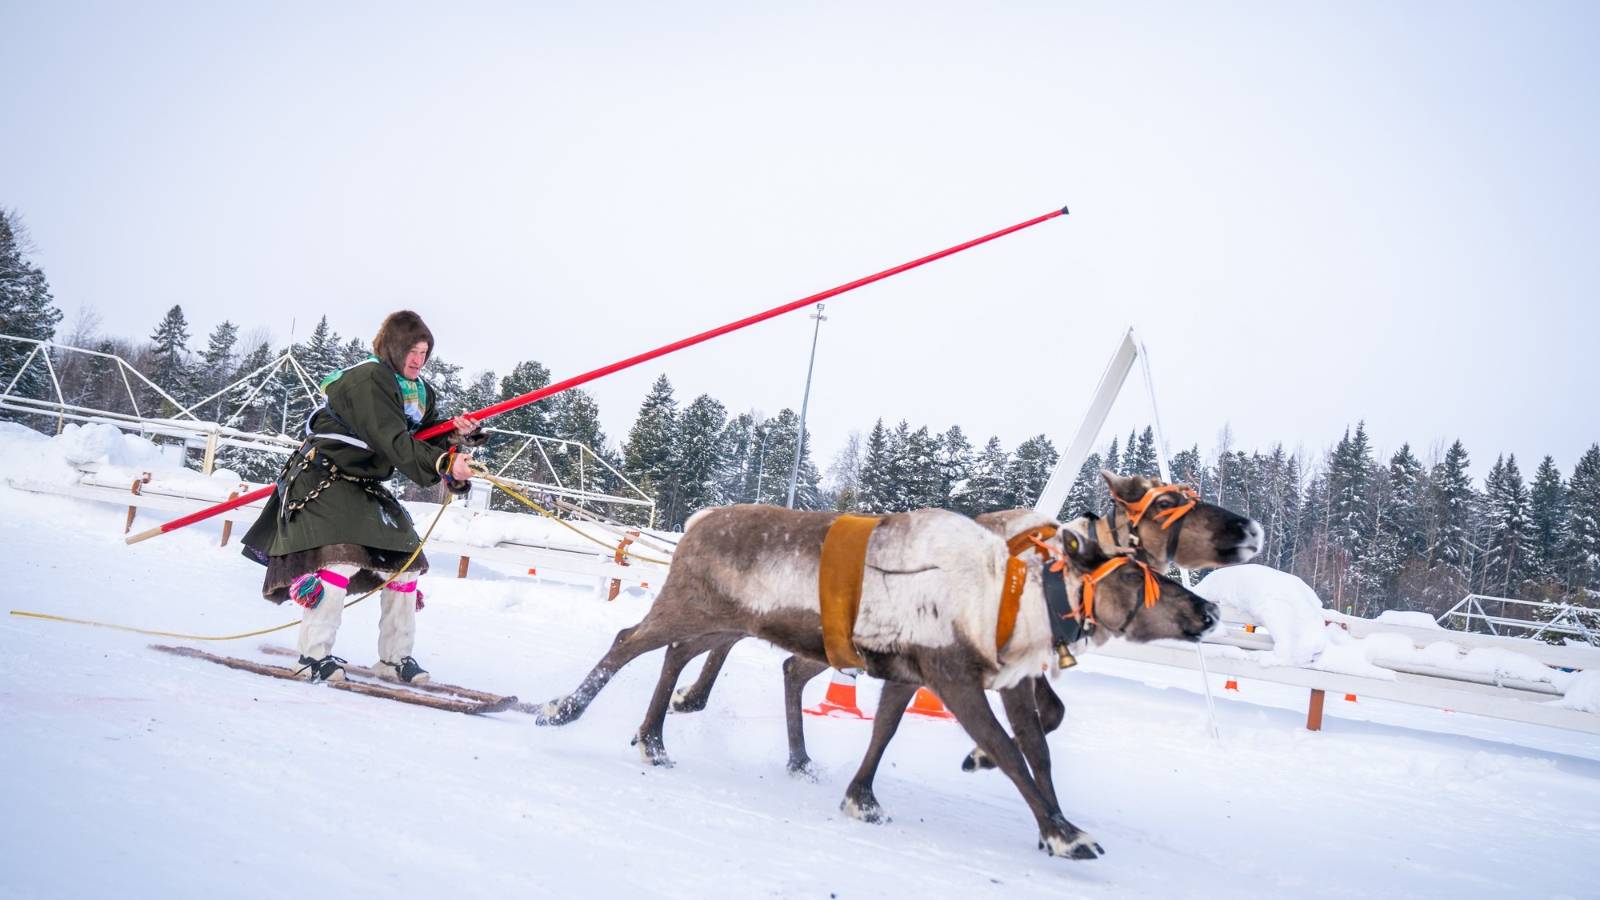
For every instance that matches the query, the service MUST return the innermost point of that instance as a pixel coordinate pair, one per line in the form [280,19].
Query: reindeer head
[1172,524]
[1123,596]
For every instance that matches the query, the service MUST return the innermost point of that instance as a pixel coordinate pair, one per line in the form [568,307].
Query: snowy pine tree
[26,310]
[698,457]
[1349,479]
[525,377]
[647,453]
[322,354]
[353,352]
[169,363]
[217,367]
[876,495]
[1510,527]
[575,416]
[740,439]
[1453,510]
[954,461]
[1549,517]
[1081,496]
[919,469]
[1233,481]
[985,490]
[247,407]
[444,379]
[782,435]
[1582,554]
[1028,470]
[1141,458]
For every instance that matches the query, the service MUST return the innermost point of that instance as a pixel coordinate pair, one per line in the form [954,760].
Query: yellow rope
[518,496]
[234,637]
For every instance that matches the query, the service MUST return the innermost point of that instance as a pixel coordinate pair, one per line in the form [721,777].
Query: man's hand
[460,466]
[464,425]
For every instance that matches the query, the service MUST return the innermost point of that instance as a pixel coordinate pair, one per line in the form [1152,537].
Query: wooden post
[1314,711]
[621,556]
[461,567]
[227,524]
[209,462]
[134,510]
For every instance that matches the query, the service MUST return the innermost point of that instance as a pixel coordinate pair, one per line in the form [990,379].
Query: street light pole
[761,462]
[800,436]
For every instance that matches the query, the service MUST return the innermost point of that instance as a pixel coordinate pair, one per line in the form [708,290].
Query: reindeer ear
[1120,486]
[1082,553]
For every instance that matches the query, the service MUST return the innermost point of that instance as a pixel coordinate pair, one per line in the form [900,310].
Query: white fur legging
[397,621]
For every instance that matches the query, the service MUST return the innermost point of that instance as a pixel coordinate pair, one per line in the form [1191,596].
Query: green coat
[364,403]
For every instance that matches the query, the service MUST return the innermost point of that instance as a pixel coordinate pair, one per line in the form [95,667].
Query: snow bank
[1292,613]
[1409,619]
[1284,605]
[1583,692]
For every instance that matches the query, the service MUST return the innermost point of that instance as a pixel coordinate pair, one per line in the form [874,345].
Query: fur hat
[396,336]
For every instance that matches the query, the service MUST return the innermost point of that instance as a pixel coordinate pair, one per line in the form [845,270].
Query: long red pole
[558,387]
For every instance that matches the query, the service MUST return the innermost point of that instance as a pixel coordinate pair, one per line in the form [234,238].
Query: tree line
[1367,534]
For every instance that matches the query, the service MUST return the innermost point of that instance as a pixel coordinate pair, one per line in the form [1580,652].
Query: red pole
[558,387]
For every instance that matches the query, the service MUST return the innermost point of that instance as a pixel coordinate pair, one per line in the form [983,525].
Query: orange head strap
[1165,517]
[1152,591]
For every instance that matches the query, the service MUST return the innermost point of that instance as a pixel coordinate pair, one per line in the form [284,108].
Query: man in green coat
[331,527]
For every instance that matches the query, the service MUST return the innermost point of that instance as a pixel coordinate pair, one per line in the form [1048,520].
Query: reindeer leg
[678,655]
[1057,836]
[1026,729]
[630,643]
[1051,713]
[693,698]
[859,801]
[797,670]
[1051,710]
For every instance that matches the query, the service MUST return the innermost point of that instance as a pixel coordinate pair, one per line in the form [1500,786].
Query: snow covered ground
[132,773]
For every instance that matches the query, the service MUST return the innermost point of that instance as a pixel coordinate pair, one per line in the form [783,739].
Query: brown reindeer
[928,615]
[1166,524]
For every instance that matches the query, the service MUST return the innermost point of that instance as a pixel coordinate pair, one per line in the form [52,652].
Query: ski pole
[558,387]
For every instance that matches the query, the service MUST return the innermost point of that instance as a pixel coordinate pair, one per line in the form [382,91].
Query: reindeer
[1165,524]
[929,614]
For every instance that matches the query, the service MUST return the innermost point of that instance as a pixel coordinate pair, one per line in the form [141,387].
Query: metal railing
[199,433]
[1542,618]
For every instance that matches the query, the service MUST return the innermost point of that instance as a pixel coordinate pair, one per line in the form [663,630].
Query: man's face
[416,358]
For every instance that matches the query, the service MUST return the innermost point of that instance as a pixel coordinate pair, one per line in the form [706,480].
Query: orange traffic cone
[840,701]
[1231,685]
[927,703]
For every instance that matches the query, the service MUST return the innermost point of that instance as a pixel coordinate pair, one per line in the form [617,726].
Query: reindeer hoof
[805,770]
[556,712]
[866,809]
[652,751]
[976,760]
[1071,843]
[684,702]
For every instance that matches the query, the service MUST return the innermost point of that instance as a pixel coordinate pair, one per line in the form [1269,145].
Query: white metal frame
[1129,350]
[1565,619]
[199,433]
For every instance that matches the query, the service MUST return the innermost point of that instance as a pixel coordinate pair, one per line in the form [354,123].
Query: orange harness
[1152,591]
[1165,517]
[1085,611]
[1017,578]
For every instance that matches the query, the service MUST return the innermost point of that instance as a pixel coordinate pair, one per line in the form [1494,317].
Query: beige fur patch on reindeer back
[931,575]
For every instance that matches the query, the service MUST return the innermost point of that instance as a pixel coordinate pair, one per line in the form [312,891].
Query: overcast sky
[1311,213]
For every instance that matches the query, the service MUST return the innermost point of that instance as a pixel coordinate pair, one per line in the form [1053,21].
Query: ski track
[132,773]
